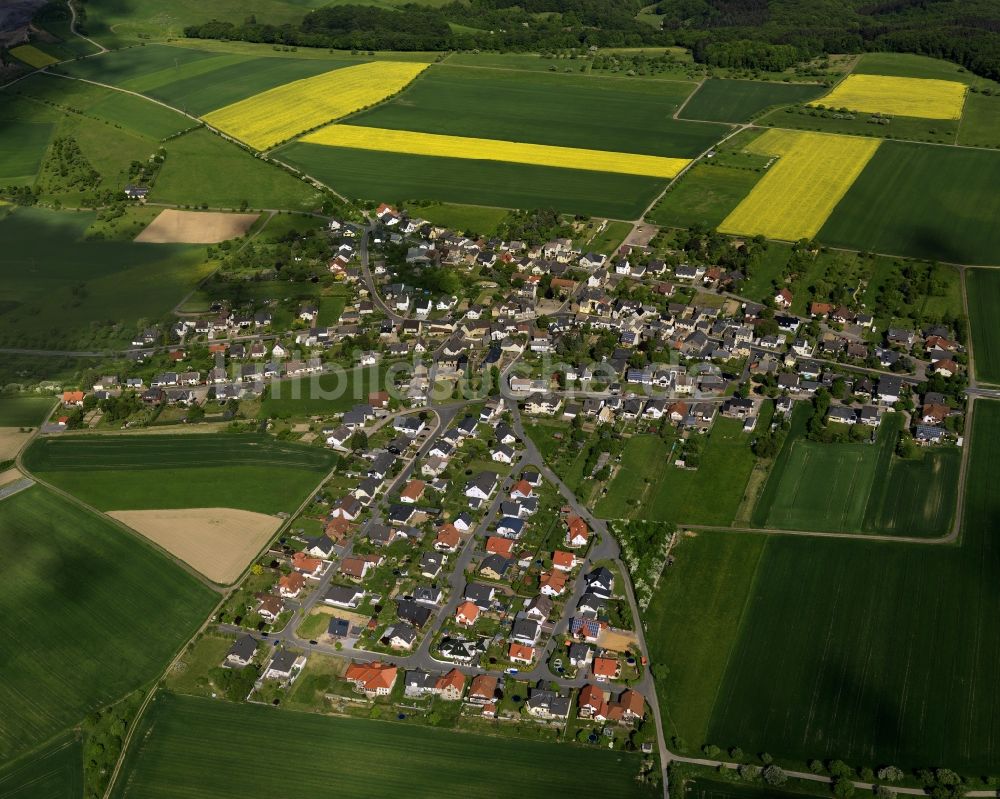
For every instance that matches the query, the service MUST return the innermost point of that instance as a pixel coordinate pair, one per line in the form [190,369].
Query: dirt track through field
[195,227]
[218,542]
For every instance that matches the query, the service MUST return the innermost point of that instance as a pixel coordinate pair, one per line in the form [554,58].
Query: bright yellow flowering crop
[801,188]
[434,144]
[32,56]
[279,114]
[905,97]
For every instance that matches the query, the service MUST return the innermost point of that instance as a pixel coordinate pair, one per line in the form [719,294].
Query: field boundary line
[680,108]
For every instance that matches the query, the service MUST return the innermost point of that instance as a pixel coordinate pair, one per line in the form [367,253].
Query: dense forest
[744,34]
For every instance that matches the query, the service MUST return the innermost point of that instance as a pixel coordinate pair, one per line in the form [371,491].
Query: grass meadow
[923,202]
[53,772]
[203,168]
[547,109]
[477,218]
[983,289]
[742,100]
[91,613]
[859,487]
[326,394]
[836,648]
[396,178]
[196,747]
[62,291]
[646,488]
[23,410]
[138,472]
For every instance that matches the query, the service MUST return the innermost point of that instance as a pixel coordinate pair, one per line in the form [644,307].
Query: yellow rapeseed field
[434,144]
[32,56]
[279,114]
[905,97]
[801,188]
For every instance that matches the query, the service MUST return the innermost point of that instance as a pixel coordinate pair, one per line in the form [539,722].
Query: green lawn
[330,393]
[759,285]
[849,649]
[203,168]
[563,110]
[610,239]
[91,611]
[195,747]
[53,772]
[742,100]
[135,472]
[24,411]
[476,218]
[61,292]
[923,202]
[704,196]
[858,488]
[983,289]
[648,486]
[396,178]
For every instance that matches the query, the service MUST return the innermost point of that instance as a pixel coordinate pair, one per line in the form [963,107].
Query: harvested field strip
[279,114]
[195,227]
[803,186]
[218,542]
[402,141]
[907,97]
[32,56]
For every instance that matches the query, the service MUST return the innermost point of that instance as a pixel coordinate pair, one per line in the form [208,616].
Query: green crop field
[858,488]
[923,202]
[203,168]
[648,486]
[330,393]
[396,178]
[91,613]
[136,472]
[54,772]
[907,65]
[983,289]
[24,411]
[842,648]
[547,109]
[742,100]
[980,121]
[197,747]
[532,62]
[22,148]
[62,291]
[704,196]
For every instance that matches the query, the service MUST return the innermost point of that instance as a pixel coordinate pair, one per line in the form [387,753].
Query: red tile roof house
[497,545]
[291,585]
[270,606]
[521,490]
[605,669]
[450,686]
[310,567]
[577,532]
[337,529]
[783,299]
[519,653]
[448,538]
[629,707]
[564,561]
[413,491]
[483,689]
[552,583]
[592,703]
[372,679]
[72,398]
[467,613]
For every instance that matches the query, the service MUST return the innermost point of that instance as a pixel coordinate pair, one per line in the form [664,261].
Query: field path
[72,26]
